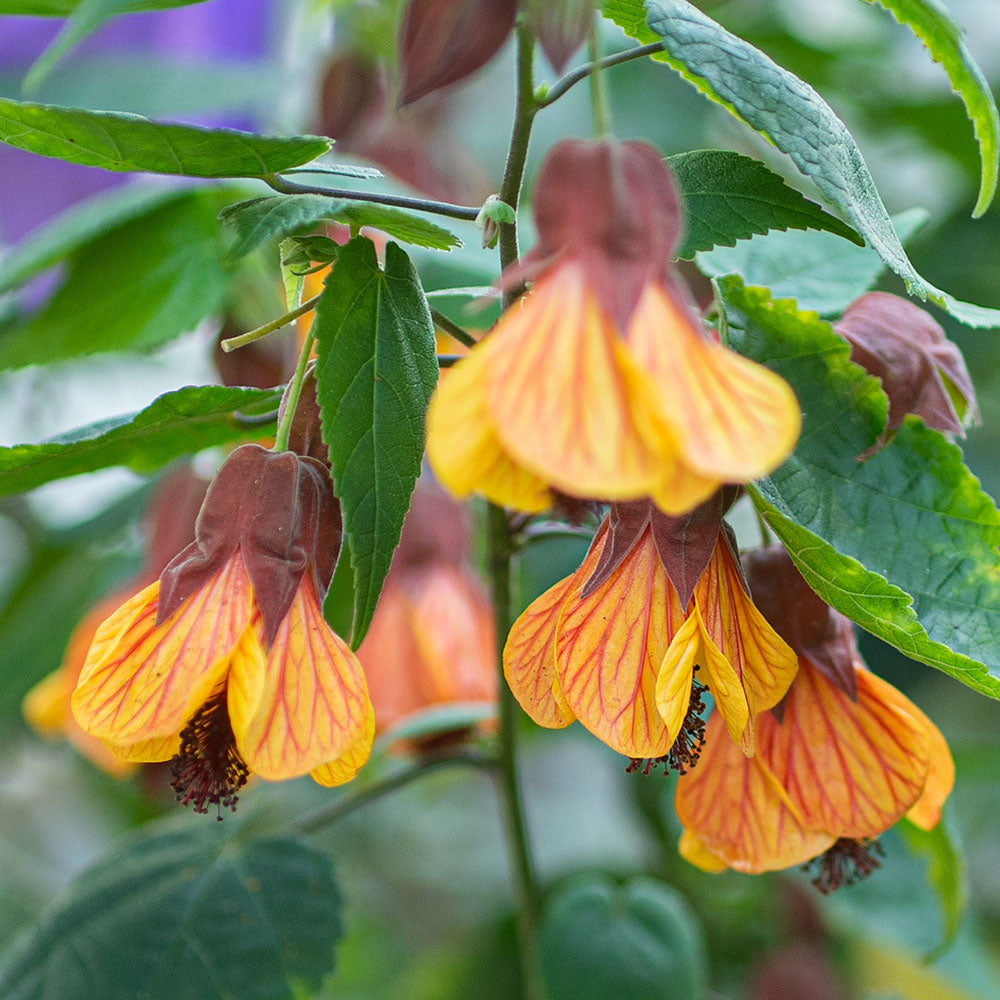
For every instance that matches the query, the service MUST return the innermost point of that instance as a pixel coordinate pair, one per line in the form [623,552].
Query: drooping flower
[617,643]
[838,761]
[225,665]
[168,525]
[432,639]
[601,381]
[921,371]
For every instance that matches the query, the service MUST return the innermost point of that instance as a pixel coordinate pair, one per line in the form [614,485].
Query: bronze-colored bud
[561,26]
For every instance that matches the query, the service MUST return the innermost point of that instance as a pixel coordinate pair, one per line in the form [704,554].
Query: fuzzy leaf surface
[792,116]
[376,370]
[904,543]
[190,915]
[176,423]
[730,197]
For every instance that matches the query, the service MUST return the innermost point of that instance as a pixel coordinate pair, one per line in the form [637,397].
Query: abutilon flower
[432,639]
[225,665]
[617,643]
[839,760]
[601,381]
[921,371]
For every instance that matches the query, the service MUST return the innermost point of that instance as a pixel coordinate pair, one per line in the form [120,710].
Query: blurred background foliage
[428,909]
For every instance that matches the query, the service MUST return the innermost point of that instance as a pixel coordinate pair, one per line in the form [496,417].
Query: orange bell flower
[617,643]
[601,381]
[225,664]
[432,640]
[838,761]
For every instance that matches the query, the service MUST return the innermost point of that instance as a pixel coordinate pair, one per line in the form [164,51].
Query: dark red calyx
[560,26]
[802,618]
[922,372]
[846,862]
[352,95]
[170,517]
[278,510]
[208,769]
[444,41]
[611,207]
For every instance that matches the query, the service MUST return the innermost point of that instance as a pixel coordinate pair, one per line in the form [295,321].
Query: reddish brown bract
[443,41]
[561,26]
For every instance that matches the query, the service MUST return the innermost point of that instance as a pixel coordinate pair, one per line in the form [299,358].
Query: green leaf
[305,251]
[133,288]
[636,941]
[729,197]
[377,367]
[122,142]
[280,215]
[820,271]
[176,423]
[789,114]
[400,225]
[194,914]
[945,873]
[38,8]
[933,24]
[85,18]
[438,720]
[78,225]
[259,219]
[905,542]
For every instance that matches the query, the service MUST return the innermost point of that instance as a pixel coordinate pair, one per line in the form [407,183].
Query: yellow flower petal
[749,664]
[673,682]
[302,705]
[46,705]
[737,812]
[144,681]
[850,768]
[559,397]
[462,444]
[926,811]
[609,647]
[529,657]
[691,849]
[734,419]
[144,751]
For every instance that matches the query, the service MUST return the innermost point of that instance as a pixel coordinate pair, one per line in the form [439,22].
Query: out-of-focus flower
[225,664]
[560,25]
[444,41]
[601,381]
[616,644]
[921,371]
[168,526]
[838,761]
[432,640]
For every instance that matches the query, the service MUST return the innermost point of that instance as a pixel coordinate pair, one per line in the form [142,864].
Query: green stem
[292,395]
[572,78]
[517,153]
[500,548]
[330,814]
[231,343]
[445,208]
[452,329]
[599,111]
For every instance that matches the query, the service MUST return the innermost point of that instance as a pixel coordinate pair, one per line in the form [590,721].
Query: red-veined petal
[144,681]
[302,704]
[850,768]
[609,647]
[558,392]
[462,444]
[733,418]
[926,811]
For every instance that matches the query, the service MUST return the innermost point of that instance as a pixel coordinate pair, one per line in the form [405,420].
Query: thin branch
[231,343]
[378,789]
[448,360]
[452,329]
[582,72]
[396,201]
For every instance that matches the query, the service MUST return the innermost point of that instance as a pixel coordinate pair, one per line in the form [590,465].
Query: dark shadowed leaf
[195,914]
[729,197]
[376,370]
[121,142]
[637,941]
[177,423]
[904,543]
